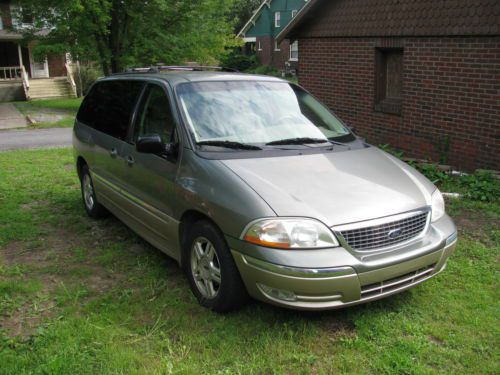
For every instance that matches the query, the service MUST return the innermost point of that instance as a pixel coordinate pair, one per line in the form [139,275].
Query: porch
[24,78]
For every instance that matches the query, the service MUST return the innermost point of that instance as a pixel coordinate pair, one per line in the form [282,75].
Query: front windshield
[254,112]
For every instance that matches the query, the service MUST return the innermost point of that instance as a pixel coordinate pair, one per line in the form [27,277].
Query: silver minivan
[257,189]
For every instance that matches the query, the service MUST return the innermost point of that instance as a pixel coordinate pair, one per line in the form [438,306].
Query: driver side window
[155,115]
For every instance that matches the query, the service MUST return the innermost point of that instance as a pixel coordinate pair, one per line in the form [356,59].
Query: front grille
[386,234]
[389,285]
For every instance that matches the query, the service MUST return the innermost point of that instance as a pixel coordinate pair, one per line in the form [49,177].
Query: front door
[151,178]
[39,69]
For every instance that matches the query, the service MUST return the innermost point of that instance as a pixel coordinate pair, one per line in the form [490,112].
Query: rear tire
[93,208]
[213,276]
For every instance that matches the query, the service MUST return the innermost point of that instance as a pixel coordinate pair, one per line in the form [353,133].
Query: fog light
[284,295]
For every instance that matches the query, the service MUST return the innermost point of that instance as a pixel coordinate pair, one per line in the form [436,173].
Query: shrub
[481,186]
[266,70]
[237,60]
[85,77]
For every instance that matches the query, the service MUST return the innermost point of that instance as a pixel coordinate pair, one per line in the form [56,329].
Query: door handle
[130,160]
[113,152]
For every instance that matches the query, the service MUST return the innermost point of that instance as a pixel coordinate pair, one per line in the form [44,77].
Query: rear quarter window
[109,106]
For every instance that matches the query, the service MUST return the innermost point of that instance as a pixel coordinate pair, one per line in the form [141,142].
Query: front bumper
[348,279]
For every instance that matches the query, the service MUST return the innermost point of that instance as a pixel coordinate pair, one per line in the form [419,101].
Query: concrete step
[50,88]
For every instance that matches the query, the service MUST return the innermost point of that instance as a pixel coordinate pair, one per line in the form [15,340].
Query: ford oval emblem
[395,233]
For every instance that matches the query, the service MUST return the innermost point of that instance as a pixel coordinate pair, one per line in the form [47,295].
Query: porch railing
[71,79]
[11,73]
[26,82]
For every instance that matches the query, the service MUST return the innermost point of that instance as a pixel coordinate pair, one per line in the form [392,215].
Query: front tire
[93,208]
[213,276]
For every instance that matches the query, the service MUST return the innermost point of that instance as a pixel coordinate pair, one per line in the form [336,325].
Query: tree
[122,33]
[242,10]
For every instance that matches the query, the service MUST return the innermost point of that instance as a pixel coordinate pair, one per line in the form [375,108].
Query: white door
[39,69]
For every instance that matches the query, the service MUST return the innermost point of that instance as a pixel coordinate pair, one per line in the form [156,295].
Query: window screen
[389,80]
[109,105]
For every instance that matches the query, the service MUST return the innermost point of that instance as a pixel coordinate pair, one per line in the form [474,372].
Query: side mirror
[150,144]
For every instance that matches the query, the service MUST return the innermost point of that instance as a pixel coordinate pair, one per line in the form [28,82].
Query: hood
[338,187]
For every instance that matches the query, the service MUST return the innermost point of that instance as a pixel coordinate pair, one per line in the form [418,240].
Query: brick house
[21,76]
[420,75]
[260,31]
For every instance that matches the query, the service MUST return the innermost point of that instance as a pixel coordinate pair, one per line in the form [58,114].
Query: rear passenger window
[109,105]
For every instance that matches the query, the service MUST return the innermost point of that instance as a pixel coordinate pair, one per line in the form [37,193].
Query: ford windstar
[257,189]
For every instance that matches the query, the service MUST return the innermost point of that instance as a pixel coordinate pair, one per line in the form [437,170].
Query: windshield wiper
[297,141]
[229,144]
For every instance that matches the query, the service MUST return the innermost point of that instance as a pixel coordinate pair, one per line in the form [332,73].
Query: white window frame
[277,19]
[259,46]
[276,45]
[294,13]
[1,22]
[291,49]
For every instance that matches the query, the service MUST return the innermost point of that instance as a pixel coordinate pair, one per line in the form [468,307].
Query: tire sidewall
[226,263]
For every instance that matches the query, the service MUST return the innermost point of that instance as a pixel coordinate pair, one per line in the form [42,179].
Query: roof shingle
[327,18]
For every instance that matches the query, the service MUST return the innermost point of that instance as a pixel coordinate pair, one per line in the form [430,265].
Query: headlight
[437,206]
[290,234]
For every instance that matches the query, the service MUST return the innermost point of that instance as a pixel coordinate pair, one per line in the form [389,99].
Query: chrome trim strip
[312,273]
[380,221]
[383,286]
[154,211]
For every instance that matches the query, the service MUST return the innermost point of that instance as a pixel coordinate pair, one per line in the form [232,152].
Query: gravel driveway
[41,138]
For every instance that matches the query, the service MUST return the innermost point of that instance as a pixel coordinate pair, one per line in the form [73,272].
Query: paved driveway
[41,138]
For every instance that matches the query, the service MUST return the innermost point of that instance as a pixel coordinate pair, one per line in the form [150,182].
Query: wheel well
[80,162]
[189,218]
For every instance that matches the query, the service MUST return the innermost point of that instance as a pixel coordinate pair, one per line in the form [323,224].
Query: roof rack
[187,68]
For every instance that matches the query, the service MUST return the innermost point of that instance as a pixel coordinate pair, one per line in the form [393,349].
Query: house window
[277,19]
[294,13]
[294,51]
[260,46]
[26,17]
[1,22]
[389,80]
[276,45]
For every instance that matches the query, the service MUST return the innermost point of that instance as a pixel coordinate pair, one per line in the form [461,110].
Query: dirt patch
[33,204]
[27,318]
[338,329]
[477,225]
[436,340]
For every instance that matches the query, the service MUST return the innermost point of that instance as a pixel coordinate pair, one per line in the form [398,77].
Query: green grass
[66,122]
[79,296]
[70,104]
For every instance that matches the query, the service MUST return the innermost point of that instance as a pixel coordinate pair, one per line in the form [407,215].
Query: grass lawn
[51,113]
[79,296]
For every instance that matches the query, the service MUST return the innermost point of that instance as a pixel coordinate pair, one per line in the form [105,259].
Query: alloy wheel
[205,268]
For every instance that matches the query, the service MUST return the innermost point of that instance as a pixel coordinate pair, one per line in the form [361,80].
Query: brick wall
[268,56]
[451,94]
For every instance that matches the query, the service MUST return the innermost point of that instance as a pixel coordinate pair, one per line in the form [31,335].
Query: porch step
[50,88]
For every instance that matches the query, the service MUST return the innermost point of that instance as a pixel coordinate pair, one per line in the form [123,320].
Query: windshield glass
[255,112]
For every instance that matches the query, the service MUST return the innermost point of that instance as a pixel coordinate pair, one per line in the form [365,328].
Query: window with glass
[294,51]
[109,105]
[154,116]
[254,112]
[276,45]
[277,19]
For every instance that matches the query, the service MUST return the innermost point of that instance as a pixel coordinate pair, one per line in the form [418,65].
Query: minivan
[257,190]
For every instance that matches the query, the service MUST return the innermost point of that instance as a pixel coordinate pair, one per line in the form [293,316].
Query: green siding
[264,25]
